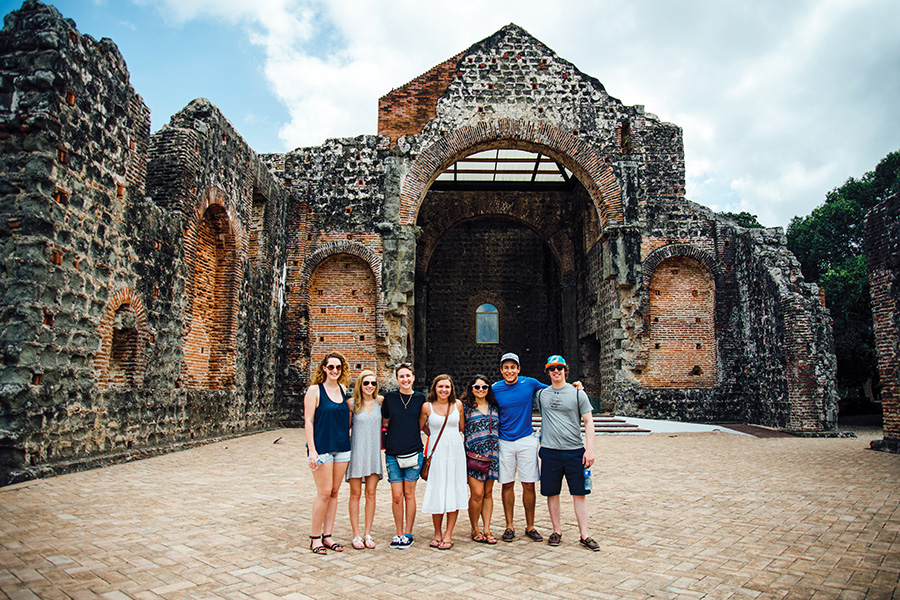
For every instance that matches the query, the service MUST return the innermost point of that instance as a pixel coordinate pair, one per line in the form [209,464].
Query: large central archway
[498,237]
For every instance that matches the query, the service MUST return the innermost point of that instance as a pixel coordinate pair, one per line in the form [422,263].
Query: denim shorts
[396,474]
[338,457]
[555,464]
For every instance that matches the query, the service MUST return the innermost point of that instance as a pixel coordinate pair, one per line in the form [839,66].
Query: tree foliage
[829,245]
[744,219]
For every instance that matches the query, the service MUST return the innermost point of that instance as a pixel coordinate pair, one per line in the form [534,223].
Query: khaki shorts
[522,456]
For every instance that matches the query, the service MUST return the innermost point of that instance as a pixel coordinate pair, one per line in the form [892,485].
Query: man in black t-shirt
[403,451]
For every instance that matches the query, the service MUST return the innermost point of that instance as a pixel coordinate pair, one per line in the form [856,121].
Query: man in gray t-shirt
[563,454]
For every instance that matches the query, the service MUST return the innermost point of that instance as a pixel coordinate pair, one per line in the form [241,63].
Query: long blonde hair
[357,390]
[320,377]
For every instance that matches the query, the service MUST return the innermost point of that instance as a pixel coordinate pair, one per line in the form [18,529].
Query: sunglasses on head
[333,367]
[556,368]
[368,383]
[479,386]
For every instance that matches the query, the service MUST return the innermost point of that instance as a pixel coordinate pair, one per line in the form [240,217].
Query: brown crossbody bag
[426,464]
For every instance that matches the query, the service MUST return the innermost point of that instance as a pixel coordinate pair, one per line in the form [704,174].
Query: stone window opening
[487,324]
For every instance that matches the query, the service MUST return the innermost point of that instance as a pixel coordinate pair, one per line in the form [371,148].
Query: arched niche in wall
[343,302]
[679,342]
[213,277]
[121,361]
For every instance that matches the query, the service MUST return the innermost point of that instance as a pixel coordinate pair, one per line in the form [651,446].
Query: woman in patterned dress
[482,428]
[365,455]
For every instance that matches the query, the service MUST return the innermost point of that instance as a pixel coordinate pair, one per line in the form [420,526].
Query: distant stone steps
[604,424]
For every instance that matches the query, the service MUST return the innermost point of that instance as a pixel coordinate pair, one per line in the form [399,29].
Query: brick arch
[372,258]
[589,167]
[211,248]
[120,361]
[685,250]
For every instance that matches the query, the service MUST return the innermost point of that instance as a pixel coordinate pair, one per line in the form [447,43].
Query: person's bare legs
[353,504]
[476,502]
[508,495]
[553,509]
[409,494]
[371,487]
[447,540]
[323,478]
[338,472]
[438,522]
[397,504]
[580,514]
[528,500]
[487,505]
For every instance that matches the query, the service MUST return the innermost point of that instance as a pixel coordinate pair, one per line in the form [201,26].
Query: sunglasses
[479,386]
[368,383]
[555,368]
[333,367]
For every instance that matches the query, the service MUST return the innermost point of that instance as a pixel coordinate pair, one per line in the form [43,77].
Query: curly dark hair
[468,398]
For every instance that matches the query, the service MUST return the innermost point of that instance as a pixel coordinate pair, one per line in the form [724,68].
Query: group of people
[483,436]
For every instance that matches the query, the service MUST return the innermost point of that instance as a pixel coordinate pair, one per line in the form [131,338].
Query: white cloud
[779,101]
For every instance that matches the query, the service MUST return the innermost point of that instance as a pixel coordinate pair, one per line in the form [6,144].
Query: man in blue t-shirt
[518,444]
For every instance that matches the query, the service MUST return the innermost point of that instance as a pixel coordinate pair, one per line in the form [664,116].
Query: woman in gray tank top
[365,455]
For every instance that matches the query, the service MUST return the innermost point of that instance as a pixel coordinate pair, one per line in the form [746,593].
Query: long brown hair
[321,377]
[432,391]
[357,390]
[468,397]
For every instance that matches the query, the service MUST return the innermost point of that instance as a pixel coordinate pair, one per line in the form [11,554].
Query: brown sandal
[320,549]
[489,538]
[477,536]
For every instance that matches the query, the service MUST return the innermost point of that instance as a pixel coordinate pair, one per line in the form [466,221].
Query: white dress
[446,489]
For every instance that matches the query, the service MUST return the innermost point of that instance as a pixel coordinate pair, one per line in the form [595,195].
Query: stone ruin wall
[882,246]
[96,283]
[511,91]
[337,196]
[188,304]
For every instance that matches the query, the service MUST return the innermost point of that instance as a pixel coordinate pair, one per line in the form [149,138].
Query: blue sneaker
[406,540]
[396,541]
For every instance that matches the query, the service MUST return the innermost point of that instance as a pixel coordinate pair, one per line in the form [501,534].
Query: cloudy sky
[780,102]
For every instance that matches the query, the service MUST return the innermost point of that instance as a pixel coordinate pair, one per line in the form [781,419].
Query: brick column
[882,246]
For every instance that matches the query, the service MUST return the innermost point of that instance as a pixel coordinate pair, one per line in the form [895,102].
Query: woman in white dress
[365,454]
[446,491]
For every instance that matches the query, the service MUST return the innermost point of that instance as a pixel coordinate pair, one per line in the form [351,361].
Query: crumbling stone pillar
[882,247]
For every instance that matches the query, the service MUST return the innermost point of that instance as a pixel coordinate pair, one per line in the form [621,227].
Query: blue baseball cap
[556,359]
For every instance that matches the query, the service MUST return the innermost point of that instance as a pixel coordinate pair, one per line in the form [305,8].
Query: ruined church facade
[164,289]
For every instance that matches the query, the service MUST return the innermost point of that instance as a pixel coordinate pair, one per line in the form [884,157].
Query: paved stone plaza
[677,516]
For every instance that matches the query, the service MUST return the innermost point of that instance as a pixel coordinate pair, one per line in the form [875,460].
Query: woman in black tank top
[327,424]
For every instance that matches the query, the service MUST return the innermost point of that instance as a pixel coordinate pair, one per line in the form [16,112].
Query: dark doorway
[492,261]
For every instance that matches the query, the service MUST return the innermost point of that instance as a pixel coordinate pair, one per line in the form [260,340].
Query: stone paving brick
[688,516]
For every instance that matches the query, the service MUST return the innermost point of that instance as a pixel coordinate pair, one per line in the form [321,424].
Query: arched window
[487,329]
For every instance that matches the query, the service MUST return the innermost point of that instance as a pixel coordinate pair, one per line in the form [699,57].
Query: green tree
[744,219]
[829,245]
